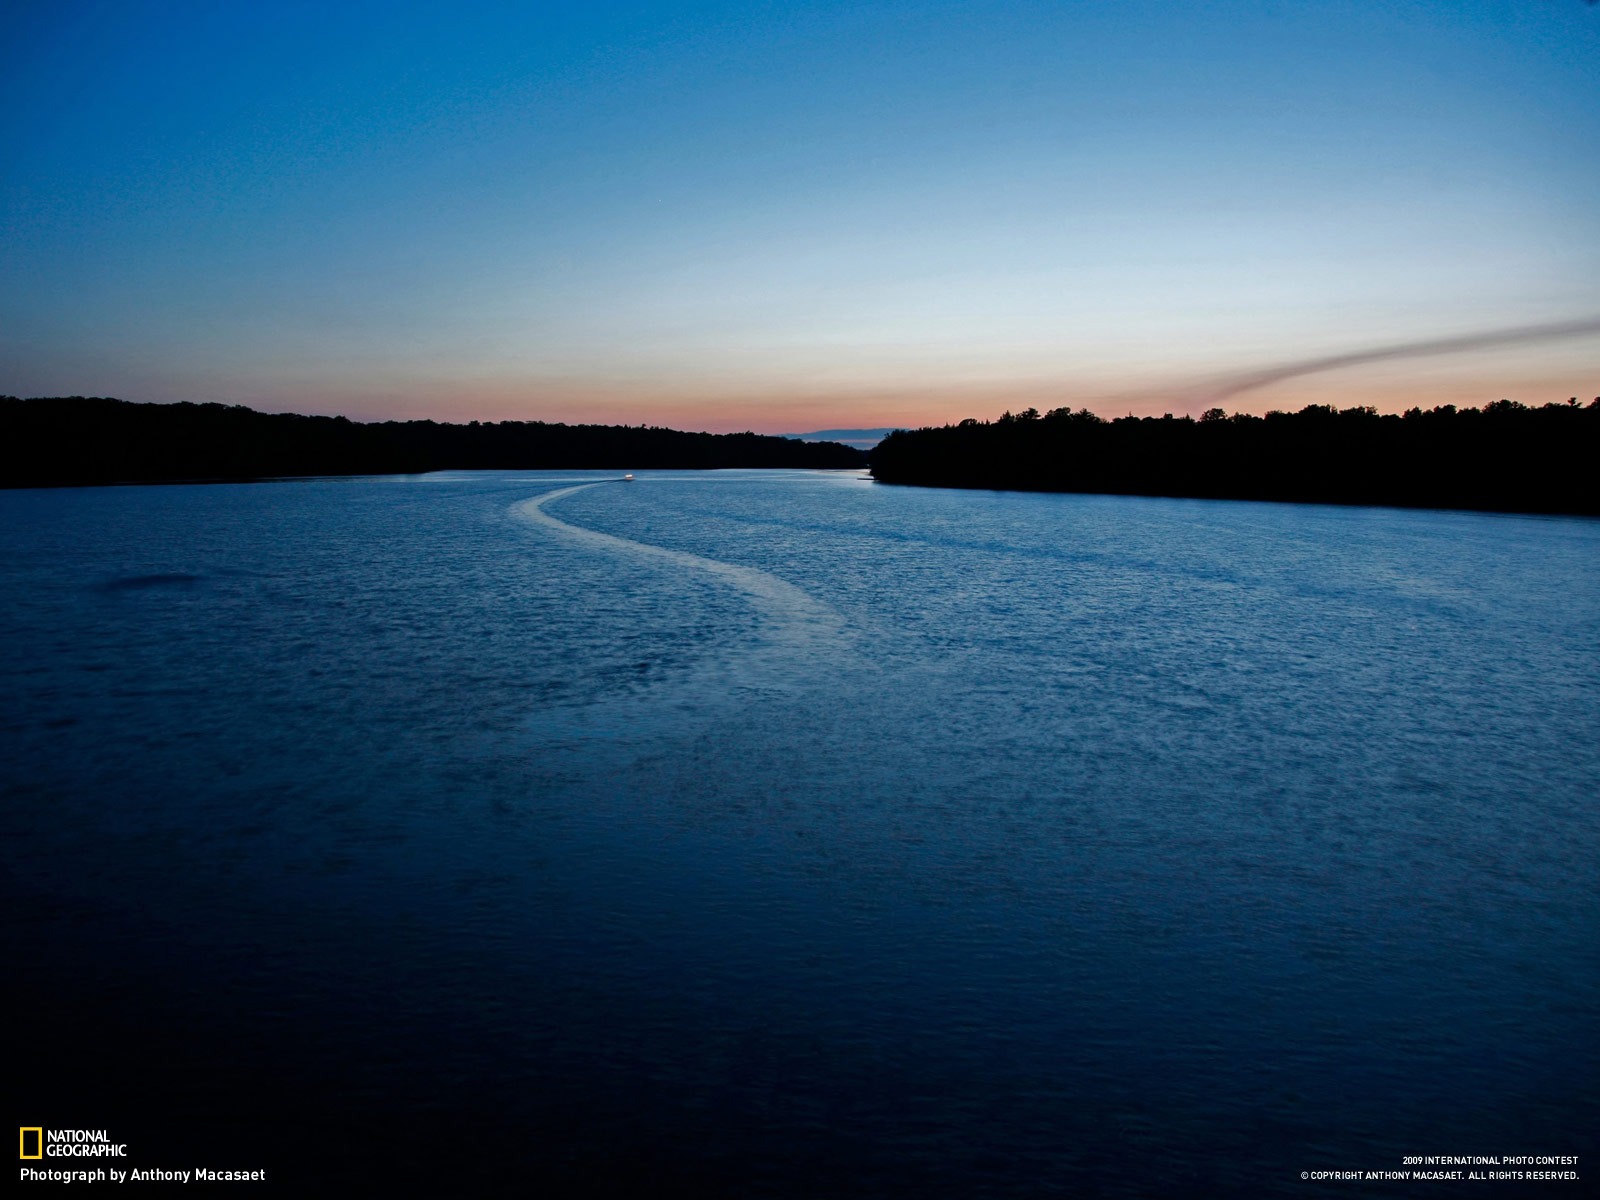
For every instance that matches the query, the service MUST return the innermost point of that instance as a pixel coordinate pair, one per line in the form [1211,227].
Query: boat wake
[795,621]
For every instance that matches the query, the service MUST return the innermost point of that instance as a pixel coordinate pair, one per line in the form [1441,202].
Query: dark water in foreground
[787,834]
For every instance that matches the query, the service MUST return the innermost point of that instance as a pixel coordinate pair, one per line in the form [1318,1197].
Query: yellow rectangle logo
[38,1141]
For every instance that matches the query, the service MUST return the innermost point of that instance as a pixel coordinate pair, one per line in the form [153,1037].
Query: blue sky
[796,216]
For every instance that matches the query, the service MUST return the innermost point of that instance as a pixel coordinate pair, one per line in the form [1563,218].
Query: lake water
[788,834]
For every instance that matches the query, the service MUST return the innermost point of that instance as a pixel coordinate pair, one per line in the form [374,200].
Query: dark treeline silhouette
[1506,457]
[56,441]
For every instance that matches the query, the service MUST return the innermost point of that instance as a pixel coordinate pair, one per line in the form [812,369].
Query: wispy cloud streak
[1229,386]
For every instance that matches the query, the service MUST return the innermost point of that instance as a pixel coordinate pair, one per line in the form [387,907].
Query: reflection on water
[780,833]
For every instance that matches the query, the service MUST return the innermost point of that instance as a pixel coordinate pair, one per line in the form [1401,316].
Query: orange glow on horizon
[775,410]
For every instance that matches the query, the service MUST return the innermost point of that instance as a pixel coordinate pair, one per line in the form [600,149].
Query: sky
[791,216]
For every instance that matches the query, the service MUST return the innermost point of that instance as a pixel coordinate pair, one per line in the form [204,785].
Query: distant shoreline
[78,441]
[1506,457]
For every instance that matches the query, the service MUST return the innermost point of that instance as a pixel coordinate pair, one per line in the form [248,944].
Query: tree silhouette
[1506,456]
[78,440]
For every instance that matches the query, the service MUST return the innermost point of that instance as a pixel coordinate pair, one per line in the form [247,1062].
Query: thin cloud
[1229,386]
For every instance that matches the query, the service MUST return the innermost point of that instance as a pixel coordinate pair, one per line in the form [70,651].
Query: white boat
[627,479]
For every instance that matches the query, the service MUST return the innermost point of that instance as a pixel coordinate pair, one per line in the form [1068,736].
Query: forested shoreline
[78,440]
[1505,457]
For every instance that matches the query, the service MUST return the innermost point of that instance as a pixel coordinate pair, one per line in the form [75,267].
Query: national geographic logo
[37,1142]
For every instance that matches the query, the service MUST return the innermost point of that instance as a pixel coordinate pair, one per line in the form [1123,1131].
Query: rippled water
[787,834]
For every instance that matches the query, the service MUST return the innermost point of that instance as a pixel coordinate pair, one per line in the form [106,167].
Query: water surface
[785,834]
